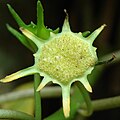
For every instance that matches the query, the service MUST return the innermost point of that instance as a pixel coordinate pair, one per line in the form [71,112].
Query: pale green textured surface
[66,57]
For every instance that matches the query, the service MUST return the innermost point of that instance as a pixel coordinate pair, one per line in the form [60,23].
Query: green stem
[89,108]
[101,104]
[14,115]
[108,56]
[37,97]
[104,104]
[47,92]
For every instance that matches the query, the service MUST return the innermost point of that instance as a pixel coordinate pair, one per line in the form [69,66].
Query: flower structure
[62,58]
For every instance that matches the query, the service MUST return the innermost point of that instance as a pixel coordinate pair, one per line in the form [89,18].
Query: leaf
[20,37]
[31,27]
[16,16]
[42,31]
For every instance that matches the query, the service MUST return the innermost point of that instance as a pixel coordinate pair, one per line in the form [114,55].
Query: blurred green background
[84,15]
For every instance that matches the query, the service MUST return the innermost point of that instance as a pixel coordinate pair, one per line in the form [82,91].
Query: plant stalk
[37,97]
[14,115]
[104,104]
[89,108]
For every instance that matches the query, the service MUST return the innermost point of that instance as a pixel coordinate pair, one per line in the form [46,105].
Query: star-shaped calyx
[62,58]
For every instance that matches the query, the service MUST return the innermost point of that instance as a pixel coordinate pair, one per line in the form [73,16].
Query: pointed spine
[19,74]
[94,35]
[66,26]
[86,85]
[66,100]
[43,83]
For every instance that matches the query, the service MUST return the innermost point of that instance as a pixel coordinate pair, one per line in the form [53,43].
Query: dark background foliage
[84,15]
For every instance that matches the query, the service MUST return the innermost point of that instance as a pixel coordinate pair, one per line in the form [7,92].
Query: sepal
[27,43]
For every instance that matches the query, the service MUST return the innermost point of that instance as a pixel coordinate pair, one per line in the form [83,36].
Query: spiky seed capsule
[63,58]
[66,56]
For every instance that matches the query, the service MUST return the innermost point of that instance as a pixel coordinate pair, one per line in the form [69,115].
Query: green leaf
[31,27]
[40,17]
[42,31]
[16,16]
[26,42]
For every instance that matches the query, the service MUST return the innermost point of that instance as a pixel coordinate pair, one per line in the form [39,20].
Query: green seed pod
[63,58]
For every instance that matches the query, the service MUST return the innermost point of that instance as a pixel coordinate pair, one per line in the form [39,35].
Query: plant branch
[104,104]
[46,92]
[14,115]
[108,56]
[37,97]
[49,92]
[89,108]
